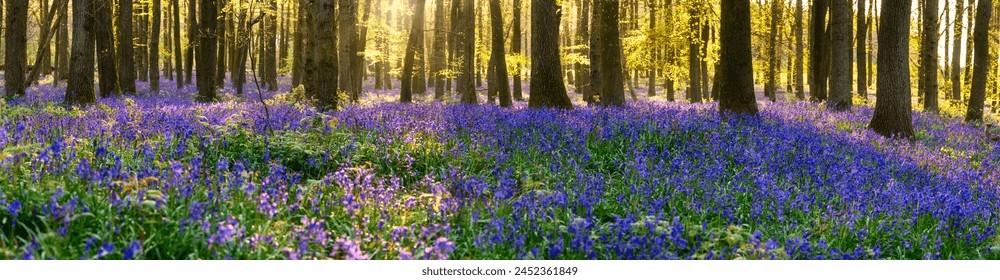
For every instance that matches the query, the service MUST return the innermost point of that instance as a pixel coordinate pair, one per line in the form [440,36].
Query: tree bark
[126,76]
[736,94]
[860,55]
[928,83]
[892,117]
[209,14]
[62,45]
[817,77]
[16,43]
[80,89]
[106,68]
[178,53]
[323,75]
[515,49]
[406,88]
[466,54]
[840,74]
[770,87]
[956,55]
[192,39]
[154,48]
[694,54]
[547,87]
[438,53]
[609,56]
[498,57]
[977,94]
[800,89]
[347,45]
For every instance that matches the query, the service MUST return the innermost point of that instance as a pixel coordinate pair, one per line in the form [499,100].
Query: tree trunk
[106,68]
[80,89]
[609,56]
[800,88]
[62,45]
[466,45]
[126,76]
[668,81]
[735,61]
[892,117]
[860,54]
[694,56]
[977,94]
[347,45]
[154,48]
[438,53]
[209,15]
[584,84]
[770,87]
[499,58]
[42,56]
[359,58]
[595,53]
[178,53]
[547,87]
[653,52]
[515,49]
[298,45]
[16,52]
[168,66]
[969,44]
[840,74]
[222,36]
[270,54]
[817,77]
[928,83]
[406,87]
[192,39]
[142,38]
[323,73]
[956,55]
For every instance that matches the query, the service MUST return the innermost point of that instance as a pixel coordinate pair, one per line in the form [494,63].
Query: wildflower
[133,250]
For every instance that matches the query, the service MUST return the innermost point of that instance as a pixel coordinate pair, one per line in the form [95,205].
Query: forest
[500,129]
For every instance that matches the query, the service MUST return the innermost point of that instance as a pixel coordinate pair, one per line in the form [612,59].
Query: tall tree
[840,74]
[223,33]
[269,58]
[860,55]
[178,56]
[651,73]
[406,87]
[609,60]
[498,58]
[42,57]
[80,89]
[893,117]
[62,45]
[126,64]
[694,53]
[16,43]
[771,87]
[547,88]
[106,68]
[735,61]
[515,48]
[956,55]
[347,45]
[438,58]
[800,88]
[928,77]
[466,50]
[209,16]
[142,40]
[192,39]
[154,48]
[298,44]
[818,67]
[977,94]
[584,84]
[322,80]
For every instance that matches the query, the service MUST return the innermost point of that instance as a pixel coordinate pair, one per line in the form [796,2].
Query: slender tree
[956,60]
[192,33]
[800,88]
[818,66]
[106,68]
[438,53]
[609,57]
[16,42]
[62,45]
[347,45]
[498,60]
[694,53]
[178,53]
[322,80]
[860,55]
[893,117]
[126,64]
[928,77]
[771,86]
[406,87]
[515,48]
[735,61]
[547,88]
[154,47]
[840,74]
[977,94]
[208,15]
[651,73]
[80,89]
[466,50]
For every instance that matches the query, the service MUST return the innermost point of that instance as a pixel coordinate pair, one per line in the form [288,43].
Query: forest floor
[162,177]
